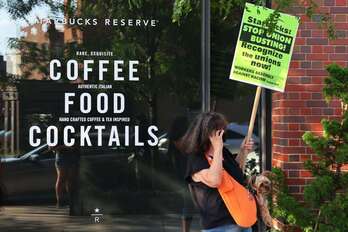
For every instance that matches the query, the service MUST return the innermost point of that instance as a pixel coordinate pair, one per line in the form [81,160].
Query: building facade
[302,106]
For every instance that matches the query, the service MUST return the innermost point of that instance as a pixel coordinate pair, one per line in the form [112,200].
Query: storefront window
[135,50]
[120,81]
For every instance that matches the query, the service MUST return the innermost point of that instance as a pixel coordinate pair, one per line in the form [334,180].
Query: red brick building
[302,106]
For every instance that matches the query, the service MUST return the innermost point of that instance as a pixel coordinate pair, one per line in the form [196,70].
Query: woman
[204,140]
[176,132]
[67,168]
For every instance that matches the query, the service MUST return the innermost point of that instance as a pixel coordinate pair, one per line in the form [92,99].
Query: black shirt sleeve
[195,163]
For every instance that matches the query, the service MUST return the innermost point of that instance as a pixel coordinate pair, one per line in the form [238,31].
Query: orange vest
[238,200]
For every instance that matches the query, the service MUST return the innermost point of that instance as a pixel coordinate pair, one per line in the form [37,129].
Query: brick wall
[301,107]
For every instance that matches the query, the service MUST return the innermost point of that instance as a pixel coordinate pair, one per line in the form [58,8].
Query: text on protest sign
[262,58]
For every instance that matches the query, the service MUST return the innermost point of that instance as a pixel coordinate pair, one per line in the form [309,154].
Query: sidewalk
[49,218]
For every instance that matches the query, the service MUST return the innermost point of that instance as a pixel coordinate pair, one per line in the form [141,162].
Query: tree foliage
[325,206]
[329,190]
[327,194]
[226,8]
[284,206]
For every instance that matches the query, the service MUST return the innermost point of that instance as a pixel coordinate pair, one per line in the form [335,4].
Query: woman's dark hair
[196,140]
[178,128]
[176,132]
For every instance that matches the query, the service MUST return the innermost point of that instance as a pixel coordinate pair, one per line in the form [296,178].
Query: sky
[11,28]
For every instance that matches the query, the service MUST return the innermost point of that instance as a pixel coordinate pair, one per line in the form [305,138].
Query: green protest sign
[262,58]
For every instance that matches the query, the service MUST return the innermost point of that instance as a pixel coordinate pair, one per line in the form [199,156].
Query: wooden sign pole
[254,112]
[242,157]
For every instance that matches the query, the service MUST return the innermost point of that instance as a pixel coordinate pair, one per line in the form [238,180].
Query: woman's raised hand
[247,146]
[216,140]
